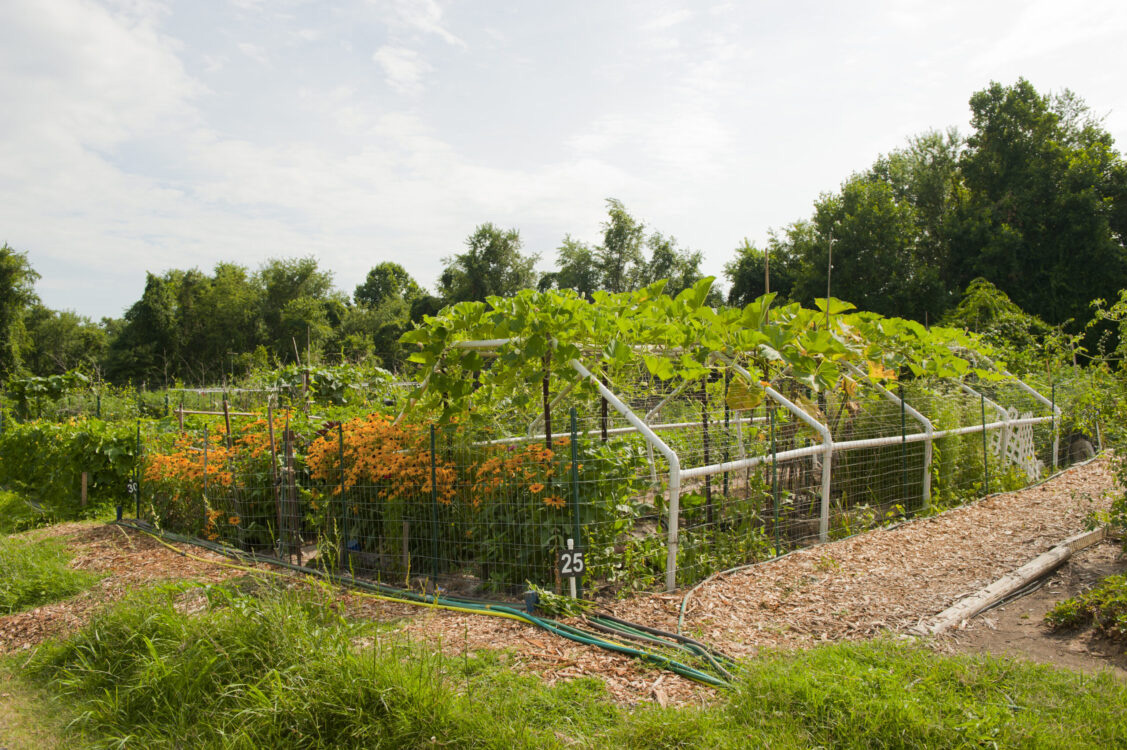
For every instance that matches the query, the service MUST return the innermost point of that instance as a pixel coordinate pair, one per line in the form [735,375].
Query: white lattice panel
[1014,445]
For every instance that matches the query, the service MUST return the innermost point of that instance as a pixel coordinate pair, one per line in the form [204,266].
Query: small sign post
[572,565]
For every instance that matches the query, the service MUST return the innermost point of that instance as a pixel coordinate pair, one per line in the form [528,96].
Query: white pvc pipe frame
[827,448]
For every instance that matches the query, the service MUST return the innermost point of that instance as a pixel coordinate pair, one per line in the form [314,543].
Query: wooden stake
[547,402]
[85,478]
[274,472]
[227,421]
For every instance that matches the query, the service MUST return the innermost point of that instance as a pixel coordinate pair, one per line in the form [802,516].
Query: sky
[138,135]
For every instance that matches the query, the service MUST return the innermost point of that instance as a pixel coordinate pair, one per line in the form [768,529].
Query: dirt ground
[884,581]
[1017,628]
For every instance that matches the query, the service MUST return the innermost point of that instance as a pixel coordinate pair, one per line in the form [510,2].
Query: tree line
[1033,200]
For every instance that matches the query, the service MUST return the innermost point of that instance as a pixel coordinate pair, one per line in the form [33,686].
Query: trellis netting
[659,438]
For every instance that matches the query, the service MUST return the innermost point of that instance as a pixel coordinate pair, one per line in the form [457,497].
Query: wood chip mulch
[887,580]
[128,559]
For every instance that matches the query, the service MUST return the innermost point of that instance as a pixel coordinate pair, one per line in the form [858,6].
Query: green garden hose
[383,592]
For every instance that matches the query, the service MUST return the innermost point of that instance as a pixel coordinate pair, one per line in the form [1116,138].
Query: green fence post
[343,502]
[903,444]
[98,406]
[1053,412]
[774,474]
[433,512]
[576,529]
[137,479]
[205,437]
[985,461]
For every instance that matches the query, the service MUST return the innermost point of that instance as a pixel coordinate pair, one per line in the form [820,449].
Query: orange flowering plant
[218,488]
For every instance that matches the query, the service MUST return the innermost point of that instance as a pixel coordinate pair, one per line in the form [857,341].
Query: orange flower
[554,502]
[534,488]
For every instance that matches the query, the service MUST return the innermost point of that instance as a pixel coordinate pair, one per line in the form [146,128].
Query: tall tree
[387,281]
[63,340]
[17,295]
[576,268]
[748,271]
[295,296]
[146,349]
[619,259]
[491,265]
[1045,200]
[680,267]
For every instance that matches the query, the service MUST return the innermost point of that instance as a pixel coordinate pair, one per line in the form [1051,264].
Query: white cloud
[424,16]
[254,52]
[668,20]
[403,68]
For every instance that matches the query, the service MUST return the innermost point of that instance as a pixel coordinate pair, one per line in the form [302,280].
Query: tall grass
[17,514]
[285,669]
[36,572]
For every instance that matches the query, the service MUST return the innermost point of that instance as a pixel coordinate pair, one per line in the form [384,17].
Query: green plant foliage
[17,514]
[33,573]
[1104,608]
[44,461]
[672,337]
[285,669]
[31,391]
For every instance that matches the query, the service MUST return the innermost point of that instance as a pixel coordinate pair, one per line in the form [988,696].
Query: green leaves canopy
[669,338]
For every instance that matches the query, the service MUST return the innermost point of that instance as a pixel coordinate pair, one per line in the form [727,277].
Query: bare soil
[1017,628]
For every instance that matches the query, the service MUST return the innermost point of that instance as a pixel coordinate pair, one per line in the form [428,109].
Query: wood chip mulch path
[128,559]
[887,580]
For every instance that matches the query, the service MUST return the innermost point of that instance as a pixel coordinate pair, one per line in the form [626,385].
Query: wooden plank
[1041,565]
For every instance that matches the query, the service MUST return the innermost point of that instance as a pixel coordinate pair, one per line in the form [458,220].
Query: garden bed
[856,588]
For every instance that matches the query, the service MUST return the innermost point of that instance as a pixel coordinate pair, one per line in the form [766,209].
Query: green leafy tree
[491,265]
[680,267]
[17,295]
[576,268]
[619,259]
[1045,199]
[387,281]
[146,348]
[62,341]
[747,272]
[295,296]
[877,258]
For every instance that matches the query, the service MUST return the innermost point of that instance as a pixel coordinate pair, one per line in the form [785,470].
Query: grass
[33,573]
[221,666]
[1104,607]
[17,515]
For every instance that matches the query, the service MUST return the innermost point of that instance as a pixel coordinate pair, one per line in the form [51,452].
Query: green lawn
[262,667]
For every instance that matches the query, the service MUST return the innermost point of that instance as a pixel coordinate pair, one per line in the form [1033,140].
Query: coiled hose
[655,646]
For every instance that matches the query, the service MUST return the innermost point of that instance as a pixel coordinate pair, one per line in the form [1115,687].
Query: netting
[658,482]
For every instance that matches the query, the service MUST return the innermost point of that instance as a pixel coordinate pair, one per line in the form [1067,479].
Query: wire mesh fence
[657,483]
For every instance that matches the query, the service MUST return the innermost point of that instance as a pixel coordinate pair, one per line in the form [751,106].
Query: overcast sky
[138,135]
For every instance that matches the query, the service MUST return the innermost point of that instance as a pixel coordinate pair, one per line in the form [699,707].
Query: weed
[33,573]
[1104,607]
[282,669]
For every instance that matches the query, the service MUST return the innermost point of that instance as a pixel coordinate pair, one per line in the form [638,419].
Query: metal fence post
[903,443]
[205,439]
[343,502]
[1053,412]
[985,461]
[774,473]
[137,480]
[433,512]
[575,521]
